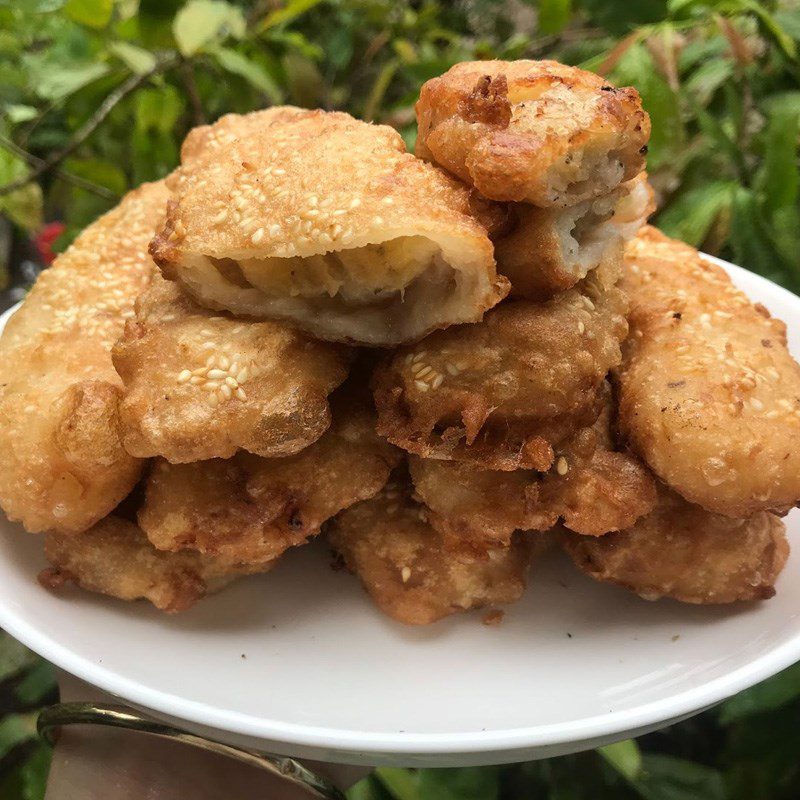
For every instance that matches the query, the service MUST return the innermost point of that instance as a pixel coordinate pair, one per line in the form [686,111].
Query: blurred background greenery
[96,96]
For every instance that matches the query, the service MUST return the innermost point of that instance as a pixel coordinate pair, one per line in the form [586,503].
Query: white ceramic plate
[300,662]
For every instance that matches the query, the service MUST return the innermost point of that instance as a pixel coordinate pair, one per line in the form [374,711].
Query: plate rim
[599,726]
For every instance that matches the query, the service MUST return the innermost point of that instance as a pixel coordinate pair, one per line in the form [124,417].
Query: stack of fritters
[427,357]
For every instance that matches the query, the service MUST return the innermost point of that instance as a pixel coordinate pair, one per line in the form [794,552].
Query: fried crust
[401,562]
[114,558]
[681,551]
[250,509]
[501,394]
[293,184]
[200,385]
[532,131]
[709,395]
[62,463]
[591,488]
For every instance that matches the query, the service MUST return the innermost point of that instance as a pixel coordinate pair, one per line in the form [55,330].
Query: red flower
[45,238]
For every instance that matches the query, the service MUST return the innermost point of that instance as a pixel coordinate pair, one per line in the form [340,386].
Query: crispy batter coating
[590,487]
[252,509]
[532,131]
[709,394]
[502,393]
[114,558]
[399,557]
[201,385]
[324,221]
[62,463]
[680,550]
[549,250]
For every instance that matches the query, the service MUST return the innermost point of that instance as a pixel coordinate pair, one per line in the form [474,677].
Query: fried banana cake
[326,222]
[388,543]
[709,395]
[201,384]
[532,131]
[62,462]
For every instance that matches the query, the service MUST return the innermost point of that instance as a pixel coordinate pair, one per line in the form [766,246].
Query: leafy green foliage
[719,78]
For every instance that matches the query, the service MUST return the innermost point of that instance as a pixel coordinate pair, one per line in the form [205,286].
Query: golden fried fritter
[549,250]
[252,509]
[62,463]
[400,559]
[590,487]
[114,558]
[532,131]
[709,396]
[200,385]
[502,393]
[324,221]
[680,550]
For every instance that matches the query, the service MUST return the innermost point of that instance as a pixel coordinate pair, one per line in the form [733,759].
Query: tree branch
[67,177]
[91,125]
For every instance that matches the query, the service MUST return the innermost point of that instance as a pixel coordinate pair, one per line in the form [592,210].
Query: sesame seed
[562,467]
[226,391]
[231,382]
[185,376]
[257,236]
[426,370]
[405,574]
[240,393]
[421,385]
[437,381]
[581,327]
[216,374]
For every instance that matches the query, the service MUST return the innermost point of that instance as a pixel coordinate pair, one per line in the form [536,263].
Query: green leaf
[690,214]
[305,82]
[14,657]
[23,206]
[28,780]
[91,13]
[202,22]
[400,783]
[251,71]
[20,113]
[103,173]
[137,59]
[16,729]
[36,684]
[554,15]
[289,12]
[158,109]
[772,27]
[766,696]
[467,783]
[708,77]
[778,178]
[56,84]
[667,778]
[624,756]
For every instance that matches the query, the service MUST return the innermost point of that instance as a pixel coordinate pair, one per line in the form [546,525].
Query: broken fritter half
[537,132]
[250,509]
[503,393]
[709,395]
[201,384]
[115,558]
[682,551]
[62,462]
[321,220]
[400,559]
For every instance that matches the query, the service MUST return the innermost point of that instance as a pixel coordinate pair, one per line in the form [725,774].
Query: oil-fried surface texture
[114,558]
[201,385]
[62,463]
[548,250]
[680,550]
[250,509]
[532,131]
[400,559]
[590,487]
[325,221]
[502,393]
[709,394]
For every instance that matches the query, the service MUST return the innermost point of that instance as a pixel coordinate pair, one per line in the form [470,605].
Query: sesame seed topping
[562,467]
